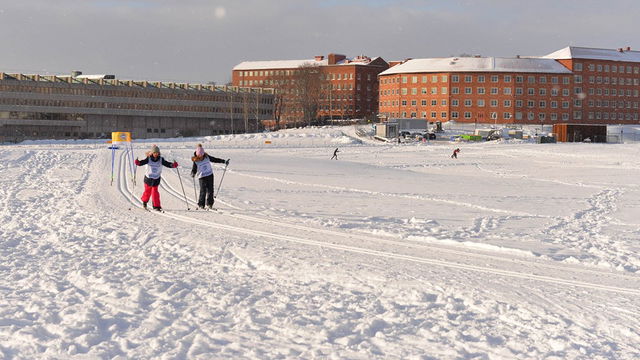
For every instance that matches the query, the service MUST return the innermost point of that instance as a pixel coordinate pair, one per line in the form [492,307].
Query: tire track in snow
[364,251]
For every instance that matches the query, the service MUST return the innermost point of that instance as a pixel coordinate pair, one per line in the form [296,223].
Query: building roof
[478,64]
[292,64]
[573,52]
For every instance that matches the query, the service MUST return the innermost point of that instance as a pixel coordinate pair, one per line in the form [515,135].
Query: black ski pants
[206,190]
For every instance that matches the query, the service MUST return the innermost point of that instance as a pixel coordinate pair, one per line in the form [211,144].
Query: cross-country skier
[154,164]
[335,154]
[455,153]
[202,167]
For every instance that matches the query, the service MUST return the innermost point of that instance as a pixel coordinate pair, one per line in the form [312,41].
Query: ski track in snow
[85,277]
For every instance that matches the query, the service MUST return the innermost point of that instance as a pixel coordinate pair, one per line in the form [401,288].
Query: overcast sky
[201,40]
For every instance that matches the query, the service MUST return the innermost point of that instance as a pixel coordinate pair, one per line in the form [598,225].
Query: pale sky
[199,41]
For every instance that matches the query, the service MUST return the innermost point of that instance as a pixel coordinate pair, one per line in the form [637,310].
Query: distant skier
[335,154]
[455,153]
[202,167]
[154,164]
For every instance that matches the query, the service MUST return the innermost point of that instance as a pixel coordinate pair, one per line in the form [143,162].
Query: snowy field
[514,250]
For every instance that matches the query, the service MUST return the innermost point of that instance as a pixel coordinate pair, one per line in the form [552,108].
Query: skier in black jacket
[202,167]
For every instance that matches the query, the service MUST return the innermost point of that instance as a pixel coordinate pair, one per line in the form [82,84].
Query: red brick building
[605,85]
[349,86]
[478,89]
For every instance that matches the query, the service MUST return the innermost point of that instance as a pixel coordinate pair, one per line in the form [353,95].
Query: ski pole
[182,186]
[195,194]
[222,178]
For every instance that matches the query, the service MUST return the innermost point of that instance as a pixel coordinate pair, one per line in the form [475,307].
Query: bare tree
[282,89]
[308,88]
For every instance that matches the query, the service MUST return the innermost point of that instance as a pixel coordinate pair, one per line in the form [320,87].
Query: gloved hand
[227,162]
[174,165]
[137,162]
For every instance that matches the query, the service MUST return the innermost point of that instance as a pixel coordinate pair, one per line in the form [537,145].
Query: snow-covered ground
[513,250]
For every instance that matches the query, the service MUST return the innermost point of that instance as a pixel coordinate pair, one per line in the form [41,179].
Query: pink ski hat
[199,150]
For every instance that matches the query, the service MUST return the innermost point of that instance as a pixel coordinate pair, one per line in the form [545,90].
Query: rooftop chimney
[319,57]
[335,58]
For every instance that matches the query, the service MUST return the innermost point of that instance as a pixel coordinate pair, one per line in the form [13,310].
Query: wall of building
[477,97]
[46,108]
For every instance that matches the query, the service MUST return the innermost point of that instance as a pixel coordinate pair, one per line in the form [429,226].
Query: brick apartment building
[574,84]
[605,85]
[477,89]
[349,86]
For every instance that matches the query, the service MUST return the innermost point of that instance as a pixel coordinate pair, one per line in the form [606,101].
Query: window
[578,67]
[467,115]
[467,102]
[468,90]
[455,78]
[494,78]
[468,78]
[454,114]
[480,91]
[480,103]
[507,79]
[434,78]
[507,91]
[480,78]
[454,102]
[414,79]
[455,90]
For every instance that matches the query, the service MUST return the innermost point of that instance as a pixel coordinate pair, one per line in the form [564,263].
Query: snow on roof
[478,64]
[277,64]
[573,52]
[292,64]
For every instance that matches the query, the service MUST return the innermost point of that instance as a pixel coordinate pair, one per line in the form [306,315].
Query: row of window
[479,90]
[608,80]
[612,116]
[468,115]
[483,103]
[531,79]
[124,92]
[608,68]
[106,105]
